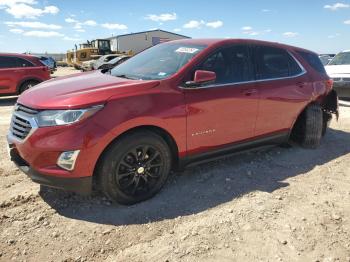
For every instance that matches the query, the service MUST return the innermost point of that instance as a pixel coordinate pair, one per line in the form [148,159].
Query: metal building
[137,42]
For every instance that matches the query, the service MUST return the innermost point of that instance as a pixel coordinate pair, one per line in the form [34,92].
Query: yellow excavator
[89,51]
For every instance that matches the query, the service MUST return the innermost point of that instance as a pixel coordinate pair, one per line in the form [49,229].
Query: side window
[274,62]
[8,62]
[231,65]
[23,63]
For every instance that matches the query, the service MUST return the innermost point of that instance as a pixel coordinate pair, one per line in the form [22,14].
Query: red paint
[12,78]
[228,114]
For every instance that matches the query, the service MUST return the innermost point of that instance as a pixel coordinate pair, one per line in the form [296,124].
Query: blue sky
[55,26]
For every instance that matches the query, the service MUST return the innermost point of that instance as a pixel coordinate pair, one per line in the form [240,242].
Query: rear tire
[309,127]
[327,117]
[135,168]
[27,85]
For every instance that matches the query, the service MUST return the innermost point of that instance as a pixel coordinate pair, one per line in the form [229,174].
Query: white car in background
[339,70]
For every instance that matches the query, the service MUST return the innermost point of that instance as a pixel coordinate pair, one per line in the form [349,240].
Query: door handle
[249,92]
[301,84]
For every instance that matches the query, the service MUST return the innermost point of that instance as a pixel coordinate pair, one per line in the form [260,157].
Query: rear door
[9,74]
[29,70]
[284,88]
[223,112]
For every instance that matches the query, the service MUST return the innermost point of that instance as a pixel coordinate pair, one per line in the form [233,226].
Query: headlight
[64,117]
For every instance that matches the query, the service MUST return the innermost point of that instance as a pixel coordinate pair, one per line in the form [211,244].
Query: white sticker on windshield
[187,50]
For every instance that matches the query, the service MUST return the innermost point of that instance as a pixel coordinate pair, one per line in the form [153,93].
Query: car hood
[81,90]
[337,69]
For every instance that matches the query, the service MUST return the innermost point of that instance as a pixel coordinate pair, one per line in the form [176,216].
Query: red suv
[176,103]
[20,72]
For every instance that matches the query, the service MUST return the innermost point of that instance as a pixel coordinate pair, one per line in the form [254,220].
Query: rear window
[314,61]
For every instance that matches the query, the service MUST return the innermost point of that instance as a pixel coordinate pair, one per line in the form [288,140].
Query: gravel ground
[281,204]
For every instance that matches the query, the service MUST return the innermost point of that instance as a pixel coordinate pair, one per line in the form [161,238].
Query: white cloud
[334,36]
[265,10]
[114,26]
[90,23]
[336,6]
[23,10]
[70,20]
[290,34]
[67,38]
[78,26]
[177,30]
[16,31]
[36,25]
[194,24]
[162,17]
[215,24]
[13,2]
[247,28]
[347,22]
[43,34]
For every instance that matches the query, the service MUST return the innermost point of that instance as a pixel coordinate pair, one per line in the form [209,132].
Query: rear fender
[330,104]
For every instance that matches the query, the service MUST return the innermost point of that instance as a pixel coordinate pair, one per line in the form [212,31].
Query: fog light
[67,159]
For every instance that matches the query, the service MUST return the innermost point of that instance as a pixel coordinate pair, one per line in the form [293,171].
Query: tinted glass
[274,62]
[23,63]
[8,62]
[158,62]
[341,59]
[231,65]
[109,58]
[314,61]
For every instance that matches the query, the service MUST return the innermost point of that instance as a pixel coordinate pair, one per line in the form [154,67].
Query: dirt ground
[281,204]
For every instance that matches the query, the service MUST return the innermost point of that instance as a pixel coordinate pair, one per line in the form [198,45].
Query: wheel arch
[168,138]
[27,79]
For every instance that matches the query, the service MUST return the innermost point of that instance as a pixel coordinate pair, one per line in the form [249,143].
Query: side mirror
[201,77]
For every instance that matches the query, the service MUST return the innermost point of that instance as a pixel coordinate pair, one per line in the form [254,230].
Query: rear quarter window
[272,63]
[313,60]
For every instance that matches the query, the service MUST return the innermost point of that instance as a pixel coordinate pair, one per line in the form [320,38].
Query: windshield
[341,59]
[116,59]
[159,62]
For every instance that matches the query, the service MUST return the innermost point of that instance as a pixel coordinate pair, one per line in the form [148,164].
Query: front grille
[21,123]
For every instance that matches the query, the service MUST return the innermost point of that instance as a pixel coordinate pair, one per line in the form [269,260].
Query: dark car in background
[49,62]
[113,63]
[20,72]
[326,58]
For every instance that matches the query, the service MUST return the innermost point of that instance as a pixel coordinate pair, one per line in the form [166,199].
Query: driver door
[224,112]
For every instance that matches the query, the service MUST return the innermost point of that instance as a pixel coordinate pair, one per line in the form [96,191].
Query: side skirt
[233,149]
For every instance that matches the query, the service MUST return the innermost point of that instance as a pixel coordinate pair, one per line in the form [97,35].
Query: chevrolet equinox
[174,104]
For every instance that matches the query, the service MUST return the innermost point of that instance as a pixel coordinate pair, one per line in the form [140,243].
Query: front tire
[309,127]
[27,85]
[135,168]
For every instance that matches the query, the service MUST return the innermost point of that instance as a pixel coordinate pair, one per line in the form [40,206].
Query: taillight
[329,84]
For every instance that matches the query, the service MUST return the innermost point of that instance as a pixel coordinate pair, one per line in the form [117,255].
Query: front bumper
[80,185]
[342,88]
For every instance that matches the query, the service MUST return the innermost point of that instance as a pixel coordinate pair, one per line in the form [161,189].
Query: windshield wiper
[124,76]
